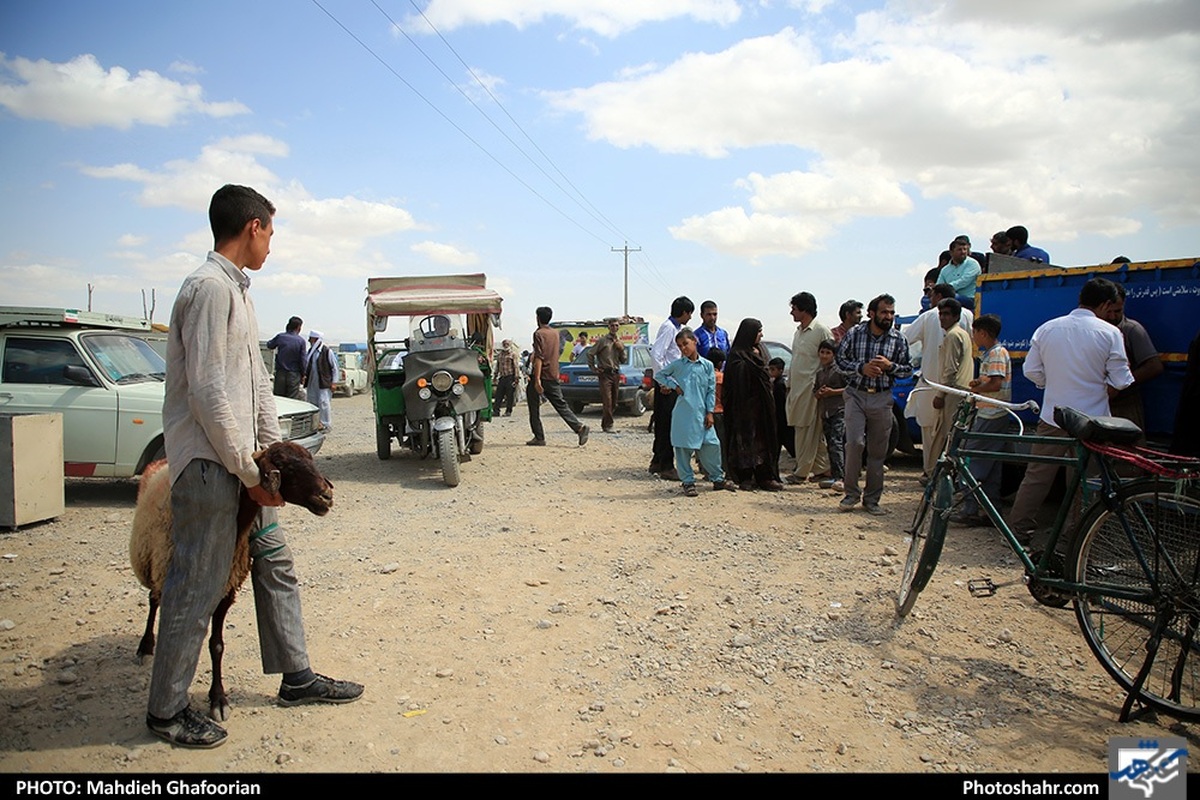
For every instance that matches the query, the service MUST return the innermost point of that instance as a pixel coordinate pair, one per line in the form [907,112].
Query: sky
[743,150]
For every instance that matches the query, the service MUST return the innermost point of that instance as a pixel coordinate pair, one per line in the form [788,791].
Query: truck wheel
[383,441]
[448,453]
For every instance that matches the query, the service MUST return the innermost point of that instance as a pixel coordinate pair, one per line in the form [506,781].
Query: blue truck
[1164,296]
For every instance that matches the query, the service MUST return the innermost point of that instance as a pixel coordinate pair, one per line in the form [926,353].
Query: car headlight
[441,381]
[285,428]
[424,393]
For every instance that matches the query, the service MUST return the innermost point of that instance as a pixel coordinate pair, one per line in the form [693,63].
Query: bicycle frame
[956,459]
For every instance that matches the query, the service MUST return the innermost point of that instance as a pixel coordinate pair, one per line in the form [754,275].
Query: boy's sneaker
[848,504]
[188,728]
[874,510]
[321,690]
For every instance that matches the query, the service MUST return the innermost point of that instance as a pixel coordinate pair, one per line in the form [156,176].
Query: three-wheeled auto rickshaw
[430,340]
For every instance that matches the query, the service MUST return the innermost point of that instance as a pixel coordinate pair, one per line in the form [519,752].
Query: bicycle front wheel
[926,535]
[1148,545]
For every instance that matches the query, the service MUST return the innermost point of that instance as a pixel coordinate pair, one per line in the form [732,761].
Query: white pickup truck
[354,375]
[100,372]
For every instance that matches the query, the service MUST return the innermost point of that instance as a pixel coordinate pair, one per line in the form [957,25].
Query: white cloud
[448,254]
[81,93]
[1062,127]
[131,240]
[315,237]
[603,17]
[792,213]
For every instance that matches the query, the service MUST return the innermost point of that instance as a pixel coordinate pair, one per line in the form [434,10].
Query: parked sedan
[581,386]
[107,382]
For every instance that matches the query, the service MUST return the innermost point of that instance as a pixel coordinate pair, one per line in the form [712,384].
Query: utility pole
[626,250]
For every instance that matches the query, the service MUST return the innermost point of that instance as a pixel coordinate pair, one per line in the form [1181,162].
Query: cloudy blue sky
[750,149]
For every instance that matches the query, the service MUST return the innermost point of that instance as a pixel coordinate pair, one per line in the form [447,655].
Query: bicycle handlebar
[1028,404]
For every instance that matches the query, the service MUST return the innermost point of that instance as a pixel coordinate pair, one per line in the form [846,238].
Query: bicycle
[1130,566]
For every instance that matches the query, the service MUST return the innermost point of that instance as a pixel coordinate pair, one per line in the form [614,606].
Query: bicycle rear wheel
[1158,635]
[926,535]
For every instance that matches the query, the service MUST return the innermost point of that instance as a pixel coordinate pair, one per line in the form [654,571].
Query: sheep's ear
[270,481]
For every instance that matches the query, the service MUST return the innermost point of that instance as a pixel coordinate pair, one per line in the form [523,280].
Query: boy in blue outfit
[693,378]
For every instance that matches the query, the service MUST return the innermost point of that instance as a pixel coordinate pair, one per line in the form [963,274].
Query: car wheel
[577,406]
[637,406]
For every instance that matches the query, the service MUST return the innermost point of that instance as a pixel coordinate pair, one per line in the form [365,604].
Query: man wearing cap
[320,374]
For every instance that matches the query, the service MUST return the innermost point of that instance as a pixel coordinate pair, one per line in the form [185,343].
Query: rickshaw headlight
[424,393]
[441,381]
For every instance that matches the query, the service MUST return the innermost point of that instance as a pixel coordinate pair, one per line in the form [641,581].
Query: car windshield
[125,359]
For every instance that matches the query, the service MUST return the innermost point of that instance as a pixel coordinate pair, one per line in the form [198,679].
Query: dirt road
[564,611]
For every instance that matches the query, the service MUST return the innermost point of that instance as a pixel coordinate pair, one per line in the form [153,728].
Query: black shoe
[583,435]
[321,690]
[689,490]
[669,475]
[188,728]
[536,442]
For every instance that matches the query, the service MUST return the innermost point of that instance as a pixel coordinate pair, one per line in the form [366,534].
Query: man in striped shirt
[872,356]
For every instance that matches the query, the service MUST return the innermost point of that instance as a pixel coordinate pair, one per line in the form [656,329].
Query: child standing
[692,420]
[995,380]
[829,385]
[779,390]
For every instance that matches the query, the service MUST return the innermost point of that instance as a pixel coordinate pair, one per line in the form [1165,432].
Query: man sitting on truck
[1018,241]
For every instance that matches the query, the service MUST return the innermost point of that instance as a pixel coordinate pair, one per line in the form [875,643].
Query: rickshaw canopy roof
[431,294]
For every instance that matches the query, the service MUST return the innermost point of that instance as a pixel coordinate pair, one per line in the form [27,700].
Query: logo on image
[1144,768]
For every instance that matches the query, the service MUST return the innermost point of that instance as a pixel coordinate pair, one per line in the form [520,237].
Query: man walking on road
[544,382]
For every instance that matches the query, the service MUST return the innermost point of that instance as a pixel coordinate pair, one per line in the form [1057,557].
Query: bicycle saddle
[1110,430]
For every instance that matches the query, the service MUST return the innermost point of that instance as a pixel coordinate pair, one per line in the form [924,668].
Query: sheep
[287,468]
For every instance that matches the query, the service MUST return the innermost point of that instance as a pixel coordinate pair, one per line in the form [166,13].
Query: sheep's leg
[218,701]
[146,646]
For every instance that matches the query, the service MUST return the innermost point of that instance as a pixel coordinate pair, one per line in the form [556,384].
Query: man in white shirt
[663,352]
[1080,361]
[927,330]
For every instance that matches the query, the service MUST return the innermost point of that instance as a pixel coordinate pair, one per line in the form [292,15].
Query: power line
[456,126]
[598,215]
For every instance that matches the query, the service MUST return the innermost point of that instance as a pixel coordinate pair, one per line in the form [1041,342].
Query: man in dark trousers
[663,352]
[289,360]
[544,382]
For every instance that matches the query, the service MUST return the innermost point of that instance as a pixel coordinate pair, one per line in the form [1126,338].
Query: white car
[353,377]
[108,383]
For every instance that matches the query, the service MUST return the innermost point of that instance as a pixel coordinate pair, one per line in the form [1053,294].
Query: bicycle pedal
[981,587]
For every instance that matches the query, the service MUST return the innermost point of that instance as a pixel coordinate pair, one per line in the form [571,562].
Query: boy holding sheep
[217,412]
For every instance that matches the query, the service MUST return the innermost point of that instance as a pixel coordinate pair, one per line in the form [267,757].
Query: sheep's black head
[289,469]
